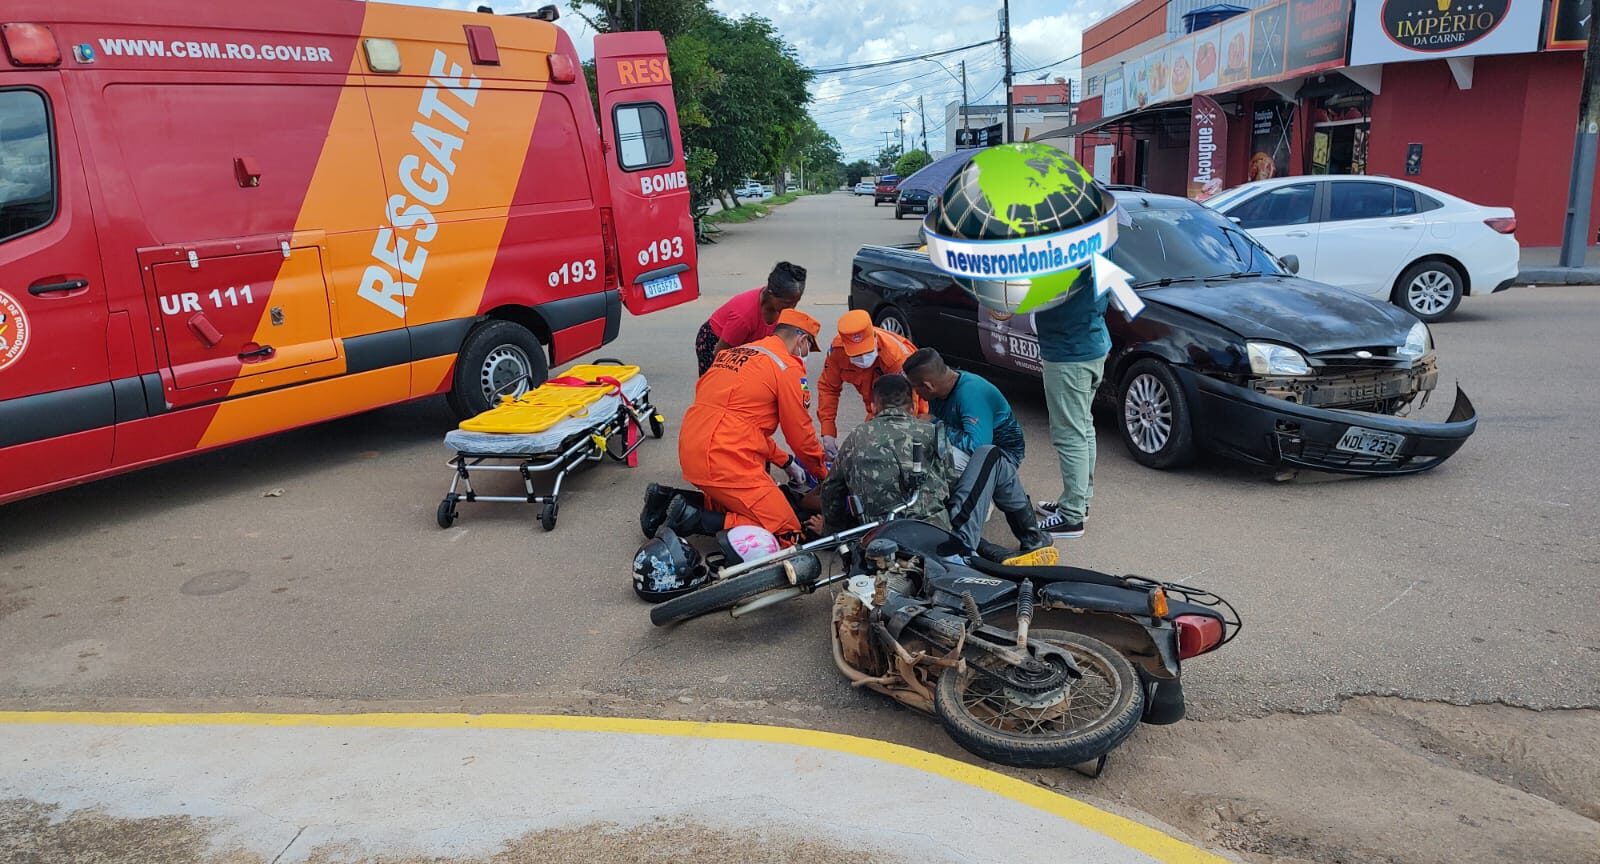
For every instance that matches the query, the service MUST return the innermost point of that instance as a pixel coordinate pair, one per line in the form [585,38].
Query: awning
[1128,118]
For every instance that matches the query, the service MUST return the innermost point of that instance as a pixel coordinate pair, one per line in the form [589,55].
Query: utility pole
[637,5]
[1005,35]
[924,117]
[1575,238]
[963,94]
[900,123]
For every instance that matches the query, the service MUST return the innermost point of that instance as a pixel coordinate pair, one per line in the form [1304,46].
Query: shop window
[643,139]
[1286,205]
[27,175]
[1361,201]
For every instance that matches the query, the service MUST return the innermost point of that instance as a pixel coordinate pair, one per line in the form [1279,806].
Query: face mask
[866,360]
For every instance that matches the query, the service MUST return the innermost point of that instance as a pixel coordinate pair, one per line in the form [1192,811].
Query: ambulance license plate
[1370,442]
[662,287]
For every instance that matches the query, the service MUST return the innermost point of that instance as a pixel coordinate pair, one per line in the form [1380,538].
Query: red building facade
[1483,108]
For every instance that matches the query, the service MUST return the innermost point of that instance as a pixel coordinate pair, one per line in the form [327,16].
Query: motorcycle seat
[1042,575]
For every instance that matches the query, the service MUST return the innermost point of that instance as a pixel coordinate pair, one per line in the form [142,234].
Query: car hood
[1307,315]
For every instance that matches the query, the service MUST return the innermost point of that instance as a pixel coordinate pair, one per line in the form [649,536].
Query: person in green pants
[1073,343]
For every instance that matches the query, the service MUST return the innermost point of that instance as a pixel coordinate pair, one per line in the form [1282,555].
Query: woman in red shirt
[750,315]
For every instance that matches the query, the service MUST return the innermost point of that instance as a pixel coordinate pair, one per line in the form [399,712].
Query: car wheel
[894,321]
[876,202]
[899,214]
[1429,290]
[494,357]
[1154,421]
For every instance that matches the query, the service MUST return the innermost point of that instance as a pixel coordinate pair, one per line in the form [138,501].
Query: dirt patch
[34,833]
[1384,780]
[662,842]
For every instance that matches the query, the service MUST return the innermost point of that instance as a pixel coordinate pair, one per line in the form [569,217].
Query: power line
[899,60]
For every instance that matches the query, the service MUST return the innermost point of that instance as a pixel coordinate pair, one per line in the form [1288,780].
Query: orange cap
[796,318]
[857,333]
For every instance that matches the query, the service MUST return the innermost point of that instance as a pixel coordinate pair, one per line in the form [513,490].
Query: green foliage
[884,163]
[857,170]
[911,162]
[751,211]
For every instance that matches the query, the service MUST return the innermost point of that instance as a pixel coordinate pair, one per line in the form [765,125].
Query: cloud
[858,107]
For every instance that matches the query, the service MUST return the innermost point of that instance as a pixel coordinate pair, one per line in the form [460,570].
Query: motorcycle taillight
[1197,634]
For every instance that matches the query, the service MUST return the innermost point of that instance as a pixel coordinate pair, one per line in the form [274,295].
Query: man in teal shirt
[1073,343]
[974,412]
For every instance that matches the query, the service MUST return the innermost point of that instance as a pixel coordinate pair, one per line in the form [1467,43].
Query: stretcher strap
[599,381]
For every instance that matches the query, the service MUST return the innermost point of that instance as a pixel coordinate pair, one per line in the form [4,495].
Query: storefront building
[1478,99]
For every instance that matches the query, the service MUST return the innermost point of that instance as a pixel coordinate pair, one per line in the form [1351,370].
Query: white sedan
[863,188]
[1392,239]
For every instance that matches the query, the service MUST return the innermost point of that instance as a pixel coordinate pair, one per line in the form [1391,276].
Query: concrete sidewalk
[244,788]
[1539,266]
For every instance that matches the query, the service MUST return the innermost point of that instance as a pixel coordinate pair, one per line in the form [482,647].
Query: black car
[1233,353]
[910,201]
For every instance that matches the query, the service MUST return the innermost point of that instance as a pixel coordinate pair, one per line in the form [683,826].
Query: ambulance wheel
[447,512]
[495,355]
[547,516]
[657,427]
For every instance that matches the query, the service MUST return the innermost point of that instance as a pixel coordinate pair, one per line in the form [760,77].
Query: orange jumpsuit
[726,442]
[838,371]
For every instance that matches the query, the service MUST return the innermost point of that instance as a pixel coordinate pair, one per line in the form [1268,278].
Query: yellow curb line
[1148,840]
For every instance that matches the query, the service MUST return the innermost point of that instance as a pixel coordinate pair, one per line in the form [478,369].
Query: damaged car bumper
[1243,423]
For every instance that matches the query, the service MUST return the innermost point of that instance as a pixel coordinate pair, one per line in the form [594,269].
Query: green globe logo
[1017,191]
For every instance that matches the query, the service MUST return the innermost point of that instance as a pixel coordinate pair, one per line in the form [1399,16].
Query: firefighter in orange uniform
[860,355]
[726,445]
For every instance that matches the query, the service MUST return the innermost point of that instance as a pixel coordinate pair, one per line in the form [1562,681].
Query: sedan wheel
[1155,426]
[1148,413]
[894,321]
[1430,290]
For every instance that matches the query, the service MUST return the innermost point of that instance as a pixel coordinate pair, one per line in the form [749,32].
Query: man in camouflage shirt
[874,465]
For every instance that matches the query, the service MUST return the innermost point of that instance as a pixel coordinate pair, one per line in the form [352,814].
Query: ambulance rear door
[649,213]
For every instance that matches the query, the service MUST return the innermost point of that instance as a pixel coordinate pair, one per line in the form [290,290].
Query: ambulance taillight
[608,236]
[30,45]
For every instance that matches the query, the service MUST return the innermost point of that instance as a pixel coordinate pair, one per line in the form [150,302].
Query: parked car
[863,188]
[910,201]
[886,189]
[1391,239]
[752,189]
[1233,353]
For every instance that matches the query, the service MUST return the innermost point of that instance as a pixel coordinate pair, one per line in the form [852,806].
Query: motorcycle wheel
[1100,712]
[718,596]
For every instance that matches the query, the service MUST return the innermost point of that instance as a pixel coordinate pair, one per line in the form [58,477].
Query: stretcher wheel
[658,426]
[447,512]
[547,516]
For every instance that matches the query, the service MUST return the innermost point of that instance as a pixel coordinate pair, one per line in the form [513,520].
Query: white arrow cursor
[1110,277]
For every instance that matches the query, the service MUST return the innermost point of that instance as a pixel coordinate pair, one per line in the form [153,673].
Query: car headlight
[1269,359]
[1418,342]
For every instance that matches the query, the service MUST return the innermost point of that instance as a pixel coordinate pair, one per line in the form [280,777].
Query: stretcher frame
[576,451]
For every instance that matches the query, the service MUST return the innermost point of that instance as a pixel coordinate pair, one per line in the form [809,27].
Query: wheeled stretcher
[587,414]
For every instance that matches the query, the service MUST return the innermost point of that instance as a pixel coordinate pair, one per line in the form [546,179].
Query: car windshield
[1187,243]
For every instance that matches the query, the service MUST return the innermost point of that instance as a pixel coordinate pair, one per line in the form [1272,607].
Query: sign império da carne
[1388,31]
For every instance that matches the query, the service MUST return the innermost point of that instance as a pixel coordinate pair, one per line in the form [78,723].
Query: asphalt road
[185,585]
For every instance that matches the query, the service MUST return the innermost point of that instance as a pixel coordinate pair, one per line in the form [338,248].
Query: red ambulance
[223,220]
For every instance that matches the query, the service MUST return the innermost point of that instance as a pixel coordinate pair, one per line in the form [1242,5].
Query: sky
[858,107]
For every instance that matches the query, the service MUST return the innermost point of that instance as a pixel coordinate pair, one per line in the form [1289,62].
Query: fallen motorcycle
[920,618]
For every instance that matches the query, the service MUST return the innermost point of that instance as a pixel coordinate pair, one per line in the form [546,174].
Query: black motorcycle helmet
[666,567]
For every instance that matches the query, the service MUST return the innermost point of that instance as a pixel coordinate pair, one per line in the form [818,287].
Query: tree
[857,170]
[908,164]
[887,157]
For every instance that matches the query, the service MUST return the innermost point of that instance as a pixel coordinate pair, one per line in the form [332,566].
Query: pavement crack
[291,842]
[626,660]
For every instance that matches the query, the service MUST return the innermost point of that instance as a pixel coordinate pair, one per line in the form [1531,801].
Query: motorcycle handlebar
[830,541]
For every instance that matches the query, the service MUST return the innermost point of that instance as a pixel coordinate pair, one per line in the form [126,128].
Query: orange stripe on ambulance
[426,180]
